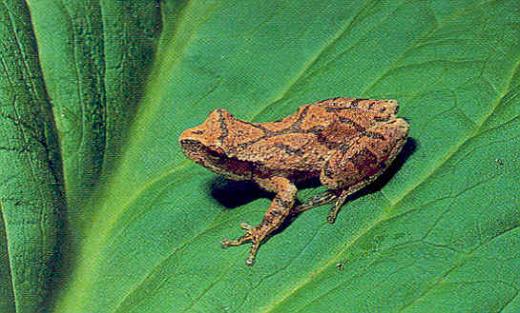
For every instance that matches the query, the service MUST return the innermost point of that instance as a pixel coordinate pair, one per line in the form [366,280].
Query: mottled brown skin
[345,142]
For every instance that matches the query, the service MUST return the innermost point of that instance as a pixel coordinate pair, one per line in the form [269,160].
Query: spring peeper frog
[345,142]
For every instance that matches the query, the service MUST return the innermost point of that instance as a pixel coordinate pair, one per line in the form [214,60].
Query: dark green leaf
[30,176]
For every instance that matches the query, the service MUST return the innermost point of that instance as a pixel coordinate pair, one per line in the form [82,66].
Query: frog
[344,143]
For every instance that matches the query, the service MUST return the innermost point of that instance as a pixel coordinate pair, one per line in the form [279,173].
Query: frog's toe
[255,235]
[340,201]
[233,243]
[246,226]
[257,241]
[250,261]
[237,242]
[331,218]
[225,243]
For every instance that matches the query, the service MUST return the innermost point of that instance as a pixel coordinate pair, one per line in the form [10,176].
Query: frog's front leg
[273,218]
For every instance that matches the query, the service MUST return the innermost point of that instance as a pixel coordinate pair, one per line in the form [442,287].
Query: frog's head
[205,144]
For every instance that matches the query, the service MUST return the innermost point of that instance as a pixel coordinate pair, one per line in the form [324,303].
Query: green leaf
[31,197]
[95,57]
[440,233]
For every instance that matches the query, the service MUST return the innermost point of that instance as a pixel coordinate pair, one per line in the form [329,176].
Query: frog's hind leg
[339,197]
[273,218]
[352,167]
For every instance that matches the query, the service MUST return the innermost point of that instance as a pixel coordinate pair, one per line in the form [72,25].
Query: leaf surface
[95,57]
[31,197]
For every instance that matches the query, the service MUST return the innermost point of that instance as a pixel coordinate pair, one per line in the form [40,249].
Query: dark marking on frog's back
[288,149]
[223,126]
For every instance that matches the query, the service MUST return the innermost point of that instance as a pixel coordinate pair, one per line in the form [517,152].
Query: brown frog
[345,142]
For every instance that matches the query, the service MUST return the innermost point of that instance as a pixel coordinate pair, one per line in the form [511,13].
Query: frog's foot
[337,196]
[242,239]
[316,201]
[253,234]
[278,210]
[339,201]
[341,198]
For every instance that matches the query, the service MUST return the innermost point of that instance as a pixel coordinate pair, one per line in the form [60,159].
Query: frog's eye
[214,155]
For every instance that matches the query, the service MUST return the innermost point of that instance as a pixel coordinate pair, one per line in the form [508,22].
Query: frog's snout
[398,126]
[401,123]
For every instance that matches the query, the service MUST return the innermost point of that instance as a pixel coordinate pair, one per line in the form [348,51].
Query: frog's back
[286,147]
[303,141]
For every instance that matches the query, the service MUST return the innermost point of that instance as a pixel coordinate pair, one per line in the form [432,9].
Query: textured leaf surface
[124,80]
[95,57]
[30,193]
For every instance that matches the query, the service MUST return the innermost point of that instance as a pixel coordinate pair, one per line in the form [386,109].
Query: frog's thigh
[352,166]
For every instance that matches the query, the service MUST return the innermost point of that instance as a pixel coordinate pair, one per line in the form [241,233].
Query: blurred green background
[101,212]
